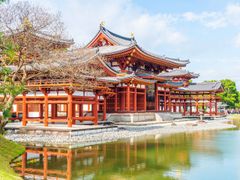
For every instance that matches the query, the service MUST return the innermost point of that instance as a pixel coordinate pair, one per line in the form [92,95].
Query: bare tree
[30,33]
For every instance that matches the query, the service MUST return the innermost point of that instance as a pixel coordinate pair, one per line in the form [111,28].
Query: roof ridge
[115,34]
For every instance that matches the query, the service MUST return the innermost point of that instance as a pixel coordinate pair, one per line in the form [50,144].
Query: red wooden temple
[135,80]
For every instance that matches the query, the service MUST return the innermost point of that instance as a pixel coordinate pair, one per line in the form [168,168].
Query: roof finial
[132,35]
[102,24]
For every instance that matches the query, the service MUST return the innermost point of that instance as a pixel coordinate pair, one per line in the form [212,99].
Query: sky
[207,32]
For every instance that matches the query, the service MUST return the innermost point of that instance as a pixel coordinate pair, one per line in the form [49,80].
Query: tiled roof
[174,60]
[201,87]
[111,50]
[123,78]
[44,36]
[177,72]
[174,84]
[118,39]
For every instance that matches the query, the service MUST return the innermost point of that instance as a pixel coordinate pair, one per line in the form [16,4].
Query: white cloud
[82,19]
[229,16]
[237,40]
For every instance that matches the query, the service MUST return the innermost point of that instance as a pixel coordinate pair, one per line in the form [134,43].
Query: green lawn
[8,151]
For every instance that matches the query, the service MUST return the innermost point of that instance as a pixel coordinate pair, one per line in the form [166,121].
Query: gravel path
[121,133]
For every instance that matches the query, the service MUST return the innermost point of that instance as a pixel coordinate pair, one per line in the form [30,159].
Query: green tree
[230,96]
[10,87]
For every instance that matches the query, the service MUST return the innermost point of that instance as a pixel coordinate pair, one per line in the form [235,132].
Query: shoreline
[124,132]
[8,152]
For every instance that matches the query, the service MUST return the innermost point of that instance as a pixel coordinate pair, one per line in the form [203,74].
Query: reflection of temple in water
[114,160]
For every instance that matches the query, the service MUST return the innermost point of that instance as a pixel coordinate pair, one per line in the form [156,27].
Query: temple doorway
[150,90]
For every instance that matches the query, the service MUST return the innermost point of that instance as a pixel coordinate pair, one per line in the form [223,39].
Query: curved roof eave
[181,63]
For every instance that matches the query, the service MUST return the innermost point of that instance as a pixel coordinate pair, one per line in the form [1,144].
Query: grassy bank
[236,119]
[8,151]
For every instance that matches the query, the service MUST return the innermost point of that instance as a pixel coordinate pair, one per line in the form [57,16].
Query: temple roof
[42,35]
[178,73]
[125,78]
[203,87]
[117,49]
[116,39]
[126,46]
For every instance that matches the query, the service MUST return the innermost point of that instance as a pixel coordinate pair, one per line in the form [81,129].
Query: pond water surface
[196,156]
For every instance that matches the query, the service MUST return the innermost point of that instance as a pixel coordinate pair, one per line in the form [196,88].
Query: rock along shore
[123,132]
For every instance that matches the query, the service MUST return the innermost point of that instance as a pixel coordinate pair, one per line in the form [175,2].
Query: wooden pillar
[145,99]
[197,106]
[41,111]
[123,101]
[24,163]
[156,98]
[180,106]
[128,98]
[210,106]
[169,102]
[216,107]
[184,107]
[190,99]
[135,98]
[80,110]
[70,108]
[45,163]
[73,113]
[165,100]
[104,108]
[69,165]
[45,108]
[24,110]
[116,100]
[95,110]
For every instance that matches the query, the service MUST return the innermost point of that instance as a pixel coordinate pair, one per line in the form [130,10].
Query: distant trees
[230,96]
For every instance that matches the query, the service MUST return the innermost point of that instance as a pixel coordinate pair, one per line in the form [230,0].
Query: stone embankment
[123,132]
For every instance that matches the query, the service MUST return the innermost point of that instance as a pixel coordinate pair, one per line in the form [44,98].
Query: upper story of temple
[123,56]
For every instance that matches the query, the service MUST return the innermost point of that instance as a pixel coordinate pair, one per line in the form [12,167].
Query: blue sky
[205,31]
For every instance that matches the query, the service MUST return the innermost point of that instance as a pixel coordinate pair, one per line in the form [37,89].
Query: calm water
[198,156]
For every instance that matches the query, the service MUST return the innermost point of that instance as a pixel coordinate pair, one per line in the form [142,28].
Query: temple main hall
[134,80]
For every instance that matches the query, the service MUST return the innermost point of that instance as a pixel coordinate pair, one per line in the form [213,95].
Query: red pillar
[156,98]
[165,101]
[69,165]
[24,110]
[145,99]
[41,111]
[95,110]
[70,109]
[123,101]
[45,108]
[80,110]
[74,113]
[104,108]
[45,163]
[190,99]
[196,106]
[180,105]
[216,108]
[210,106]
[184,107]
[169,102]
[116,100]
[24,163]
[135,98]
[128,98]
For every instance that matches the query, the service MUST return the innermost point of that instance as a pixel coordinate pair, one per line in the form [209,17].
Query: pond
[201,155]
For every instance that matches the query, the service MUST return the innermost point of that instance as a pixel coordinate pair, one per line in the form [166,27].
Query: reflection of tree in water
[151,158]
